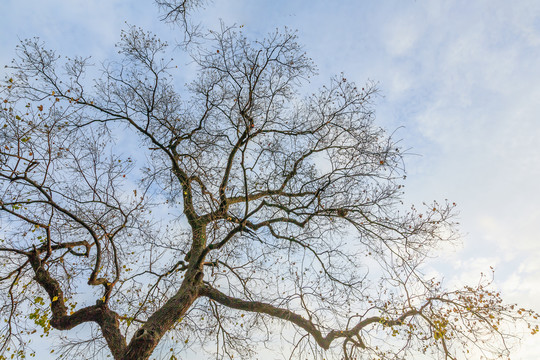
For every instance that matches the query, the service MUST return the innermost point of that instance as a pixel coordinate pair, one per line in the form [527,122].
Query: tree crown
[245,204]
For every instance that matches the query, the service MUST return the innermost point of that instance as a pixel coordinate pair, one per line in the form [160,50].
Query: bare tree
[246,209]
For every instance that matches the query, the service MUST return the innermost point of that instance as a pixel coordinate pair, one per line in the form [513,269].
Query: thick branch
[100,314]
[285,314]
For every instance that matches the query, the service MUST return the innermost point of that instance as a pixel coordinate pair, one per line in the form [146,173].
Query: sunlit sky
[459,80]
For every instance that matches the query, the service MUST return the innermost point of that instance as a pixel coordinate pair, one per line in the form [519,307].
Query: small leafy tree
[244,207]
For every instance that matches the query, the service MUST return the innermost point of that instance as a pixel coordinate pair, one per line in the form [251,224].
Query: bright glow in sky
[460,80]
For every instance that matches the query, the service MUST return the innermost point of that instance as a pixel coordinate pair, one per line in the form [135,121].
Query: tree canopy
[247,213]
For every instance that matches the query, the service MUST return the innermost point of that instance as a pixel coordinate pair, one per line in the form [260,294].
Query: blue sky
[458,79]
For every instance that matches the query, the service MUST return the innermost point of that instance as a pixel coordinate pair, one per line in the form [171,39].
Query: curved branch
[312,329]
[99,313]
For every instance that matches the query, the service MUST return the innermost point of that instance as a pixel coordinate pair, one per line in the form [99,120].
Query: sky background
[459,80]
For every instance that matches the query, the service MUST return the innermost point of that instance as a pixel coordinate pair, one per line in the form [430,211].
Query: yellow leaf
[55,298]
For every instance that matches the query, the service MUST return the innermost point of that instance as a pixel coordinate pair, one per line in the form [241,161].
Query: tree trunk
[149,335]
